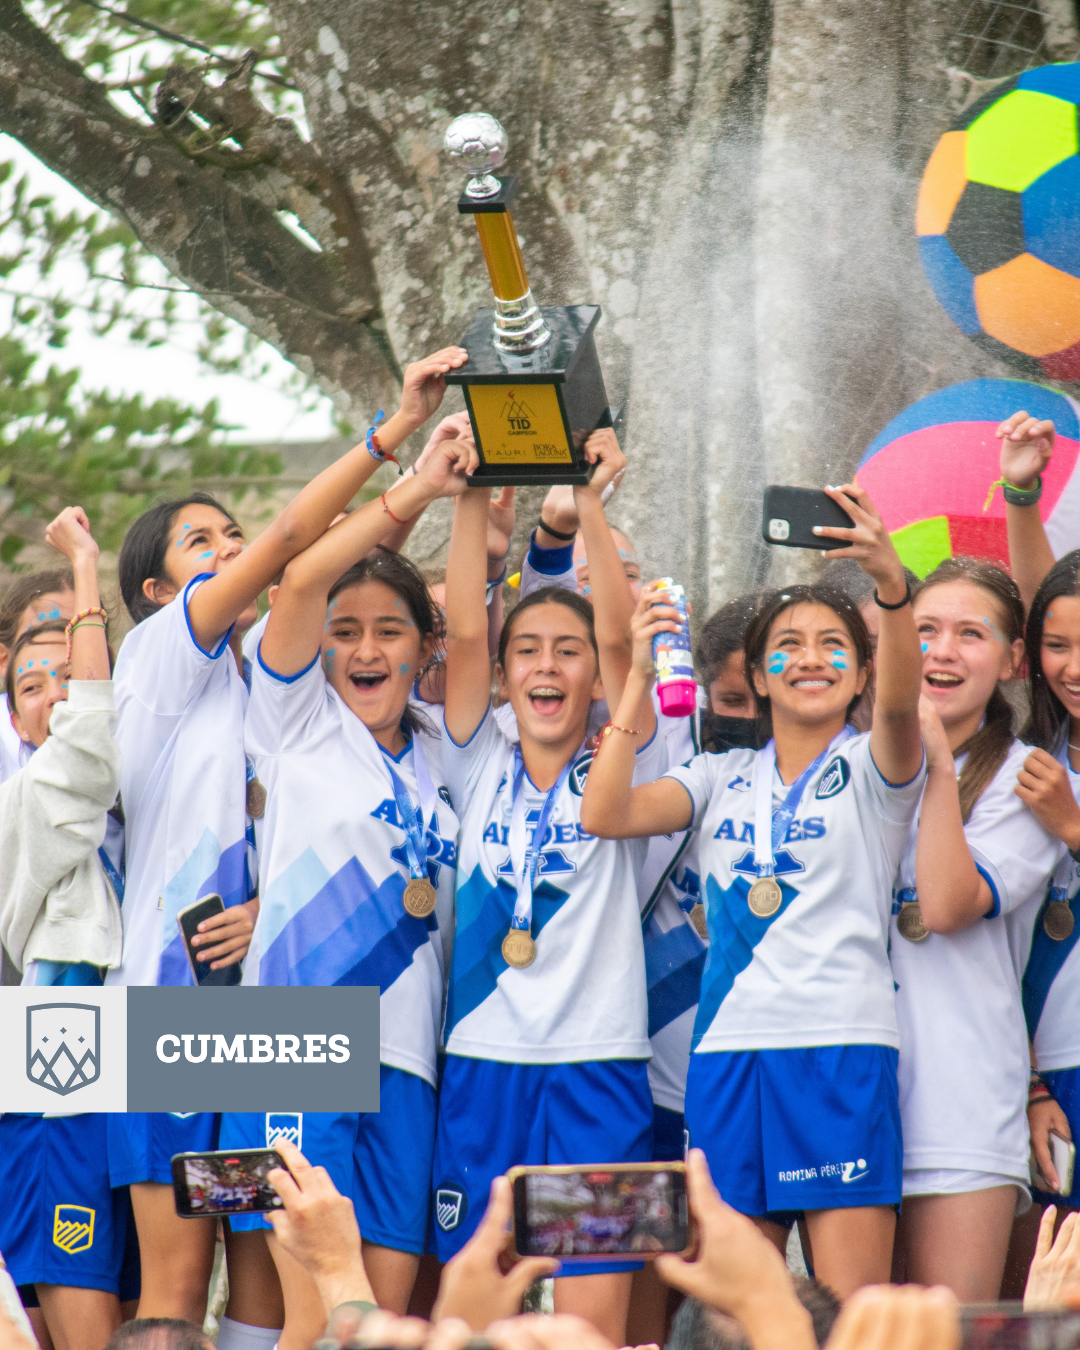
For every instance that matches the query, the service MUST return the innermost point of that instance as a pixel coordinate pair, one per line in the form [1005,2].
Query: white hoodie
[55,901]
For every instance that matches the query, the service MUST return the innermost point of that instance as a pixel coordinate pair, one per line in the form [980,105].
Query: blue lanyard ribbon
[115,877]
[525,857]
[774,831]
[412,820]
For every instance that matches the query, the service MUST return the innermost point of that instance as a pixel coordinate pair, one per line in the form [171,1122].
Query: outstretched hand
[897,1317]
[452,427]
[446,472]
[1027,445]
[737,1269]
[1055,1267]
[69,533]
[602,449]
[424,384]
[653,614]
[318,1228]
[473,1287]
[870,543]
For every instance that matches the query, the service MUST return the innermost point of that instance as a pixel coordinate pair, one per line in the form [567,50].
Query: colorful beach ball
[998,220]
[931,468]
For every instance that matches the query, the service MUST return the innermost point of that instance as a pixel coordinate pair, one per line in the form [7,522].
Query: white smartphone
[1063,1156]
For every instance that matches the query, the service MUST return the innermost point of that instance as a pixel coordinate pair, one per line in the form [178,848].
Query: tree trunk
[733,181]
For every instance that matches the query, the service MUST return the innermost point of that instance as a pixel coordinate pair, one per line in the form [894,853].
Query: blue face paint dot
[404,668]
[208,554]
[777,662]
[925,647]
[839,661]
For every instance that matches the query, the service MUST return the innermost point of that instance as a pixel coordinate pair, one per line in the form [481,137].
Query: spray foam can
[674,663]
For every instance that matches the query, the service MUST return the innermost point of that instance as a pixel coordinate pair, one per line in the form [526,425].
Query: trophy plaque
[532,384]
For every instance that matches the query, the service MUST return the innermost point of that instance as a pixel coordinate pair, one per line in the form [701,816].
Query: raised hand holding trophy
[533,385]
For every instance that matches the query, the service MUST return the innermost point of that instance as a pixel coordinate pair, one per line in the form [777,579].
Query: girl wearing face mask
[60,893]
[792,1083]
[976,857]
[190,582]
[546,1026]
[357,862]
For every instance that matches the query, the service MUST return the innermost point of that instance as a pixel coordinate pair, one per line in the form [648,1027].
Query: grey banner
[249,1049]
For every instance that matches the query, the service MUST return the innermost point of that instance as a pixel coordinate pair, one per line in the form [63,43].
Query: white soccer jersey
[583,998]
[1051,969]
[14,751]
[254,636]
[816,972]
[181,731]
[333,862]
[963,1046]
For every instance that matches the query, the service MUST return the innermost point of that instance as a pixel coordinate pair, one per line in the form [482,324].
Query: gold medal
[909,922]
[256,799]
[419,898]
[697,918]
[765,897]
[1058,920]
[518,948]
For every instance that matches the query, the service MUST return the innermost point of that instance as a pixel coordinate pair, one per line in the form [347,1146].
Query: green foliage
[62,446]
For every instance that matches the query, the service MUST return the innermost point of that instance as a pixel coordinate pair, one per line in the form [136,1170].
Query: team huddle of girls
[834,948]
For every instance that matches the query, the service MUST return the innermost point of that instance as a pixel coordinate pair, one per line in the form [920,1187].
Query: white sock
[234,1335]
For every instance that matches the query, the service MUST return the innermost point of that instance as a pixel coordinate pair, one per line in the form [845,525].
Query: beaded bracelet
[374,449]
[79,618]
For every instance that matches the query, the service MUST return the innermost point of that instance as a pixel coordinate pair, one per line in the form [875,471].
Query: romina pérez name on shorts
[253,1048]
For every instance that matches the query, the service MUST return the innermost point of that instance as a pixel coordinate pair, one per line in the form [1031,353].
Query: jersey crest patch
[284,1125]
[835,779]
[451,1207]
[73,1228]
[580,772]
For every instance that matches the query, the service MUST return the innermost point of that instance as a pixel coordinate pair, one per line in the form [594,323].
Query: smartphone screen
[1063,1156]
[225,1182]
[188,921]
[1005,1326]
[600,1212]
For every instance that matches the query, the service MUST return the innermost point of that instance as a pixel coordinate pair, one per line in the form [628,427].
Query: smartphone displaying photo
[1005,1326]
[633,1209]
[225,1182]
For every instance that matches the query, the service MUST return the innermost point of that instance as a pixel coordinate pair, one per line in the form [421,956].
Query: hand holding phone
[188,920]
[225,1182]
[789,515]
[1063,1156]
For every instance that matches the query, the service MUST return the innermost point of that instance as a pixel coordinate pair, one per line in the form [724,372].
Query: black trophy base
[531,414]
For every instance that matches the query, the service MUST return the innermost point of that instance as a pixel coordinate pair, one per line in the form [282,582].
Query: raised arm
[295,627]
[613,603]
[219,602]
[1026,448]
[895,743]
[952,891]
[468,668]
[70,535]
[610,806]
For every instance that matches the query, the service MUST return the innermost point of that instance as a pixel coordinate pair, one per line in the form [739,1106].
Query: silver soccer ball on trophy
[477,142]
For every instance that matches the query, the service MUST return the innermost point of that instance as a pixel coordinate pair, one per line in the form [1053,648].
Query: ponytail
[987,749]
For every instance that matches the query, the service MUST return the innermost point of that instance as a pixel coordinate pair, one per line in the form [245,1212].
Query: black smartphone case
[790,513]
[204,976]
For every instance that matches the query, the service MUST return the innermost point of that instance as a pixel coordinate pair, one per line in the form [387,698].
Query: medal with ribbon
[518,946]
[420,895]
[765,896]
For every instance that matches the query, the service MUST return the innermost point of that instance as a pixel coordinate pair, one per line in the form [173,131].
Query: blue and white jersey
[1051,969]
[669,886]
[14,751]
[817,971]
[963,1046]
[333,862]
[583,998]
[180,726]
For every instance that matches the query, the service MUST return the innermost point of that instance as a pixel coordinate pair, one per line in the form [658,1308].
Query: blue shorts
[668,1135]
[494,1116]
[813,1128]
[1065,1085]
[60,1220]
[380,1159]
[141,1145]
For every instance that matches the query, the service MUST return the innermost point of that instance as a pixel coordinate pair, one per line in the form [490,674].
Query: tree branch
[197,220]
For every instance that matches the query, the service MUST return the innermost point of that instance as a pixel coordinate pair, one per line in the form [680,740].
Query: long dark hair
[406,580]
[987,748]
[25,591]
[549,595]
[1049,720]
[773,604]
[146,546]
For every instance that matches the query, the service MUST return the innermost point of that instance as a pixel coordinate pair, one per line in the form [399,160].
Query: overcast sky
[257,409]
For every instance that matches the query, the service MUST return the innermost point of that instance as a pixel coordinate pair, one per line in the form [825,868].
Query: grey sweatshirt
[55,901]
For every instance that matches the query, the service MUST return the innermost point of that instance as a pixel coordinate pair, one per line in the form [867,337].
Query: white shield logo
[284,1125]
[62,1046]
[450,1207]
